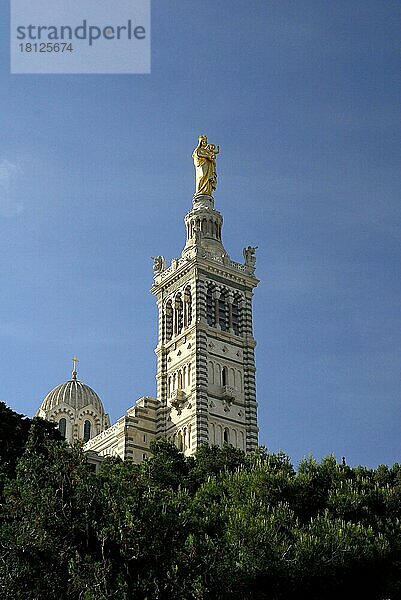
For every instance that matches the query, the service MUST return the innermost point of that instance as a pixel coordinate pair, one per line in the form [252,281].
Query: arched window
[62,427]
[178,314]
[223,313]
[235,316]
[179,380]
[211,372]
[238,379]
[189,436]
[224,376]
[210,313]
[232,378]
[87,430]
[212,433]
[189,374]
[226,435]
[179,441]
[169,321]
[187,307]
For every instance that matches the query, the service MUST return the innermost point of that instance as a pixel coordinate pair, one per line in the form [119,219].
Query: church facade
[205,351]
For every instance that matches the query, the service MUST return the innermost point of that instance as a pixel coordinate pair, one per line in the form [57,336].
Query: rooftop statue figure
[204,157]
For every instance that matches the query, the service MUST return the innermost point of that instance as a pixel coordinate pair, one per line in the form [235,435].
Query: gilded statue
[204,157]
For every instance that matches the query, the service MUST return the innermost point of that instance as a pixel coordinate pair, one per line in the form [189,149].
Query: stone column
[249,375]
[216,297]
[230,299]
[201,373]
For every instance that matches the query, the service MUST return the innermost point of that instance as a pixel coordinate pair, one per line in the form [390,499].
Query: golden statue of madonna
[204,157]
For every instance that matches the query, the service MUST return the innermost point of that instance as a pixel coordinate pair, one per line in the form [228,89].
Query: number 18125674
[46,47]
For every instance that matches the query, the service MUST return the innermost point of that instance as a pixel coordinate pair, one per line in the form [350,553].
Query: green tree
[46,516]
[14,431]
[220,525]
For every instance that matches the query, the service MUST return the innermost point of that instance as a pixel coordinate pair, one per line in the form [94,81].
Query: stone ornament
[250,258]
[159,264]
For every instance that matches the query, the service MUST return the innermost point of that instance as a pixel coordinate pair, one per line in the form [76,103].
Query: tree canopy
[218,525]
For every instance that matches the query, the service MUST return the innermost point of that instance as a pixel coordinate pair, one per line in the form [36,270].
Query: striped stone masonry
[205,353]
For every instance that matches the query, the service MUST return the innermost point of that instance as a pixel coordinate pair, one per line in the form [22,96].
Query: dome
[76,408]
[73,393]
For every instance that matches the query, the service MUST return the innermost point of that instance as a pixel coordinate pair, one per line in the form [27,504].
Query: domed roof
[74,393]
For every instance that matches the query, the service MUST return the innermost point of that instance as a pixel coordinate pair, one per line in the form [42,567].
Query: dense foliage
[220,525]
[14,431]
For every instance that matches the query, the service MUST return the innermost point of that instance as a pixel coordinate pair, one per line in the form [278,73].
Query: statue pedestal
[203,201]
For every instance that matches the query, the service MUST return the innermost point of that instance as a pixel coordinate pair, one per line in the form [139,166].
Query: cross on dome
[75,361]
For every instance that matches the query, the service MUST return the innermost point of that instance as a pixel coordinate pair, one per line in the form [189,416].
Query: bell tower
[205,351]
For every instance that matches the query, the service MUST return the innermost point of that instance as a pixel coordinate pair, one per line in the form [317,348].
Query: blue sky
[96,176]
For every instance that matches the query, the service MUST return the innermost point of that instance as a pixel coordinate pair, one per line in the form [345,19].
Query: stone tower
[205,351]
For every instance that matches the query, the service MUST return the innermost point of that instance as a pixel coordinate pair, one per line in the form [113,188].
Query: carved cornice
[222,266]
